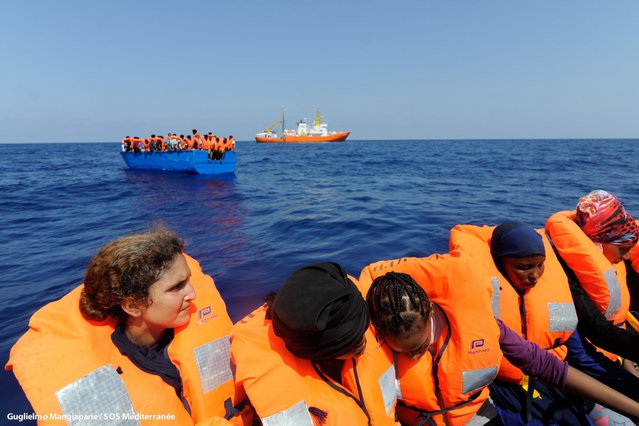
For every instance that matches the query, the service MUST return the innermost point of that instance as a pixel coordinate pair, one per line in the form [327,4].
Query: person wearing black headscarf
[309,342]
[320,314]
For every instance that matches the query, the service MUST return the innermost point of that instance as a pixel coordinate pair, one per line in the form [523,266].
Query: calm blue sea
[288,205]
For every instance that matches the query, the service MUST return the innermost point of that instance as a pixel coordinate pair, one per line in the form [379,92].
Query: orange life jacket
[138,143]
[633,255]
[467,354]
[544,315]
[206,145]
[96,379]
[282,387]
[604,283]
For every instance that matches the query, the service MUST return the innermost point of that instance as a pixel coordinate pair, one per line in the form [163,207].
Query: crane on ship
[275,123]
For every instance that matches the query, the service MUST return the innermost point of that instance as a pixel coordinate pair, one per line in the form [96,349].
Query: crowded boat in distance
[202,154]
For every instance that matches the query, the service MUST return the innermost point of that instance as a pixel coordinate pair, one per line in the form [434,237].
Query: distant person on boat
[189,143]
[592,242]
[216,148]
[146,333]
[181,144]
[210,145]
[152,143]
[308,357]
[170,142]
[231,143]
[206,142]
[436,317]
[138,144]
[161,143]
[531,295]
[197,139]
[126,144]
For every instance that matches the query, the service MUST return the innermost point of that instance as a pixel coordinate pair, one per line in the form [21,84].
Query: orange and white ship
[318,132]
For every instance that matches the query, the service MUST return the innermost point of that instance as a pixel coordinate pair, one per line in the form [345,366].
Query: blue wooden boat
[195,161]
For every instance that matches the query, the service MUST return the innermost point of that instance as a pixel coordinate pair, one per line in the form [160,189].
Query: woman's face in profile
[615,252]
[170,298]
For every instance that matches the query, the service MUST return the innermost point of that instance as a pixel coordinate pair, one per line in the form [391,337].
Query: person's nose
[190,292]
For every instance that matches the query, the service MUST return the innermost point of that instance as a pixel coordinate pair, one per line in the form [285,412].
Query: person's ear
[131,307]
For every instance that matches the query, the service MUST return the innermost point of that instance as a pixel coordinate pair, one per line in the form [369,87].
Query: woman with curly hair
[134,340]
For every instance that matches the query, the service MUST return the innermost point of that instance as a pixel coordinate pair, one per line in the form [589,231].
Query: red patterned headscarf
[604,219]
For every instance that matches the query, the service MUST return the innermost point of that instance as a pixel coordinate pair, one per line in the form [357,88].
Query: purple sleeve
[530,358]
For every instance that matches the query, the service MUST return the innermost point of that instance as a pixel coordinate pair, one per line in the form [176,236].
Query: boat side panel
[181,161]
[337,137]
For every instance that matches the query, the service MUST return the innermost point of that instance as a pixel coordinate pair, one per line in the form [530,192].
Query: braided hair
[396,302]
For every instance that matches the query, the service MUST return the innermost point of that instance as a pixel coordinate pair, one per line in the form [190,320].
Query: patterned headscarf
[604,219]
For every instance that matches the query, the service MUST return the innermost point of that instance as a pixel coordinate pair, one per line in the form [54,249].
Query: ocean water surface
[287,205]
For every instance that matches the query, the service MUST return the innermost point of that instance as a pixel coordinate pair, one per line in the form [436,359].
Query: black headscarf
[319,313]
[515,239]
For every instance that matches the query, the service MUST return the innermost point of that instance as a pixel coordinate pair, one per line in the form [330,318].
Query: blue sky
[474,69]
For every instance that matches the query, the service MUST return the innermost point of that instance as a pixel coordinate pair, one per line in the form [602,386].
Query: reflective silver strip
[387,385]
[495,300]
[214,363]
[486,413]
[100,393]
[297,415]
[563,316]
[477,379]
[614,289]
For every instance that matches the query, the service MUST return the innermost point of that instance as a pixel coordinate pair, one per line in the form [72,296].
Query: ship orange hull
[337,137]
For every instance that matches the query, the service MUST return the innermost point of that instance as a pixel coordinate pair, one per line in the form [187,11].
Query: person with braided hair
[448,346]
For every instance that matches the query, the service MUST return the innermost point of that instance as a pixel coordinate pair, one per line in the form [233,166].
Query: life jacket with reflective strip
[545,314]
[604,282]
[282,387]
[467,354]
[69,365]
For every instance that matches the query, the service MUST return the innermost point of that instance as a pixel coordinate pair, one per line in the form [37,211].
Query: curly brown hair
[125,269]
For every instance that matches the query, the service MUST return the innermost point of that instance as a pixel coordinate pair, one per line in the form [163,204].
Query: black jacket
[594,325]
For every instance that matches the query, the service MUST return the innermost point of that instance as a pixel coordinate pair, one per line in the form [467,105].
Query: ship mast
[282,132]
